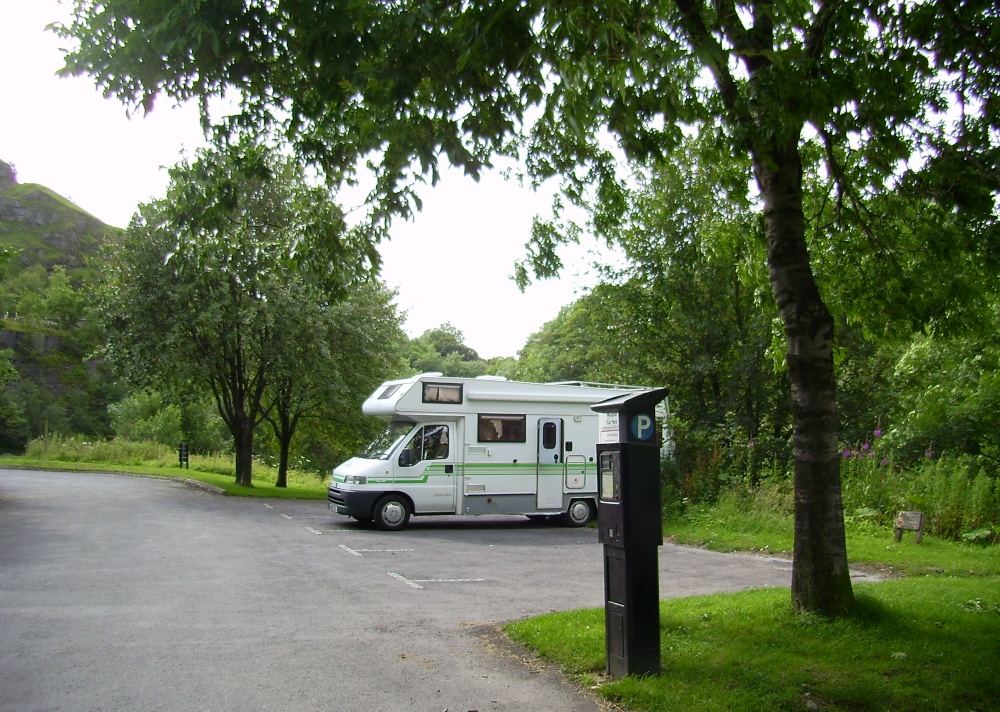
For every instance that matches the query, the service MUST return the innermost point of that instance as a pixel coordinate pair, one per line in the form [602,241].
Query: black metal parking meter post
[630,525]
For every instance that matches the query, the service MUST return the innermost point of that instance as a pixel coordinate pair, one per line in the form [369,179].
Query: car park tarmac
[126,593]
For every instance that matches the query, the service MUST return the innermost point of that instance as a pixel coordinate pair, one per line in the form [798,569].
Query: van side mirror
[406,458]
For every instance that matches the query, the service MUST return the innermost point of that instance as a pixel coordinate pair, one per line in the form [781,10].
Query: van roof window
[387,393]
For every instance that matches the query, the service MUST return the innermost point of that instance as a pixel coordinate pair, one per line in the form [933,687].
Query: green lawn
[922,643]
[926,638]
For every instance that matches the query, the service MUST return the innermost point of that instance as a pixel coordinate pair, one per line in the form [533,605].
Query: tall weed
[79,448]
[956,494]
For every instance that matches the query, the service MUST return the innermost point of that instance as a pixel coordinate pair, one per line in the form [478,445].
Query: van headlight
[356,480]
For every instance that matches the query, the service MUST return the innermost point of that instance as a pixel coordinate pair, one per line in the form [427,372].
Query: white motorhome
[475,446]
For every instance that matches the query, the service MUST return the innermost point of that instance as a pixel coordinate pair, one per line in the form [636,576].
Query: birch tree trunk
[821,580]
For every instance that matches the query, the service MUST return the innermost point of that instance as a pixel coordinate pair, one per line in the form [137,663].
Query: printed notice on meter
[608,433]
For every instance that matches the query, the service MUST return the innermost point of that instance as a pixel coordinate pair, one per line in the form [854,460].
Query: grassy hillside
[46,319]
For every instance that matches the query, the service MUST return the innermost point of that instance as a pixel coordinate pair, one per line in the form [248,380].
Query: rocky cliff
[44,226]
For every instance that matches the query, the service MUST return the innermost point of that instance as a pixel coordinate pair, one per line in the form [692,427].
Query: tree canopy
[226,283]
[897,103]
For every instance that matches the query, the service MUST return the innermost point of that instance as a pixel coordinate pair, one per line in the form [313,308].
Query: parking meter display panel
[609,470]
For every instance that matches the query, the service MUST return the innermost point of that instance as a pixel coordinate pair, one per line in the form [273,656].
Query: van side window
[428,443]
[549,432]
[502,428]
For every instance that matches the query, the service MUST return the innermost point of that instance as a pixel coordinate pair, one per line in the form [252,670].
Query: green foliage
[759,519]
[949,397]
[743,518]
[328,357]
[148,415]
[59,383]
[145,417]
[443,350]
[248,259]
[571,347]
[47,270]
[956,496]
[14,430]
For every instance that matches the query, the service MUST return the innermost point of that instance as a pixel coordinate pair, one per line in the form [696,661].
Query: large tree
[197,288]
[901,98]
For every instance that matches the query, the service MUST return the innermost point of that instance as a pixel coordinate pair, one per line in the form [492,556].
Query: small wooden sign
[910,521]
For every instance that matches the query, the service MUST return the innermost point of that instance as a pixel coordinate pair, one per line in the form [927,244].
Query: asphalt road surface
[122,593]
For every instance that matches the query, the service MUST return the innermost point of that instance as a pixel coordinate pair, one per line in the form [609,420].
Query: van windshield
[382,446]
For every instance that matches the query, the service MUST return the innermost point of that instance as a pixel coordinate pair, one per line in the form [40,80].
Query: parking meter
[630,527]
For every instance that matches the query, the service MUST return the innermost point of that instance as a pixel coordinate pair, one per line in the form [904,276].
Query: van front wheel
[392,512]
[579,513]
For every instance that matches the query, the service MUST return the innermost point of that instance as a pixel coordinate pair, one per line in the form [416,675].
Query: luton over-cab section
[475,446]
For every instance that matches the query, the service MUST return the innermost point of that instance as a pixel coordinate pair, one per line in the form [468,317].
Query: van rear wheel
[391,513]
[579,513]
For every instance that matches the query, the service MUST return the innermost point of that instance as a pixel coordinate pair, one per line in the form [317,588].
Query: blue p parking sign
[643,426]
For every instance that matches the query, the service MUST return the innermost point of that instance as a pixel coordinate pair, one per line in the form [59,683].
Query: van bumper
[353,503]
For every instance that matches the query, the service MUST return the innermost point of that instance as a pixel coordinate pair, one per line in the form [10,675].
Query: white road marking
[288,516]
[359,552]
[400,577]
[415,583]
[314,531]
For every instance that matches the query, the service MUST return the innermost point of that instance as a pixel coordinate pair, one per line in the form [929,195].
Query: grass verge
[301,485]
[927,643]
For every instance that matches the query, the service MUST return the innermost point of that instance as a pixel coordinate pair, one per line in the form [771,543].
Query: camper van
[472,446]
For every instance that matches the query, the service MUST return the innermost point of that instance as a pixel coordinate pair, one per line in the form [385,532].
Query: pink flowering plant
[955,493]
[870,481]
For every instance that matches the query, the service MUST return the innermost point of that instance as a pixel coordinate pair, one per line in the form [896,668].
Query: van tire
[391,513]
[580,512]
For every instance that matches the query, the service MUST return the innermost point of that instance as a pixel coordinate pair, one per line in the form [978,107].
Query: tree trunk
[821,581]
[243,440]
[284,445]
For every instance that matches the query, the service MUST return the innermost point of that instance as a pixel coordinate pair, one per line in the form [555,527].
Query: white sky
[451,264]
